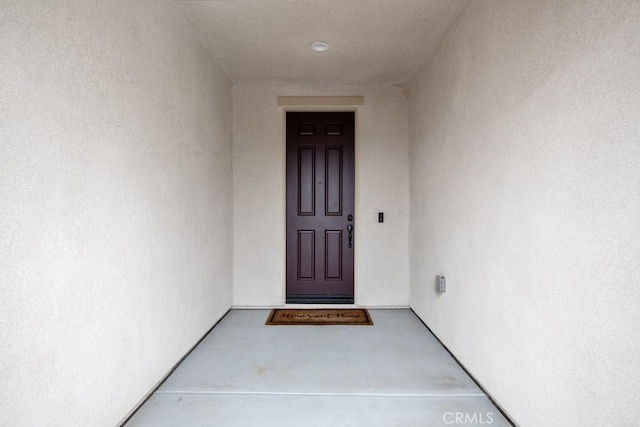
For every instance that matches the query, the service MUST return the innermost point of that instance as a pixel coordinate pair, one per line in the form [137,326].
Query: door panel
[306,254]
[306,180]
[333,181]
[333,254]
[320,198]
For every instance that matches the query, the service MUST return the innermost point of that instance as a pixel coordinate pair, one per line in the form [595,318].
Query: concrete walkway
[394,373]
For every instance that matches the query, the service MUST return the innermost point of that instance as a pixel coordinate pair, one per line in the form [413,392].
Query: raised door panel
[306,181]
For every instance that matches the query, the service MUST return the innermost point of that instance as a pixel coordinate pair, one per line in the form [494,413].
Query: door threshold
[320,299]
[319,305]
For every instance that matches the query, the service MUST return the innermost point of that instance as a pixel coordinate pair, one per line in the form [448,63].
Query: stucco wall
[115,186]
[259,188]
[525,194]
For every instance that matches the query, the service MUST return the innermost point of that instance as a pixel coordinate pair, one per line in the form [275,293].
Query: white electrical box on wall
[441,284]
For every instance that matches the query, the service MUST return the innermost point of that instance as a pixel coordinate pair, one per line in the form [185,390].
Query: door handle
[350,231]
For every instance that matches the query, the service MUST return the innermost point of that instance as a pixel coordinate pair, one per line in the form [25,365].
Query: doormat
[333,316]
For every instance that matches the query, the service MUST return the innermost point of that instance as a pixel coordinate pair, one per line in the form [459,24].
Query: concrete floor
[244,373]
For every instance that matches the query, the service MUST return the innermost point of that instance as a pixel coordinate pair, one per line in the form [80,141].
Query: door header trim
[319,101]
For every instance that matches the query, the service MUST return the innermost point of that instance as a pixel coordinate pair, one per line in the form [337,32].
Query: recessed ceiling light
[320,46]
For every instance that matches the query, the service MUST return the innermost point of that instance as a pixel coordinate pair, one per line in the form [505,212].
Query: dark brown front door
[320,203]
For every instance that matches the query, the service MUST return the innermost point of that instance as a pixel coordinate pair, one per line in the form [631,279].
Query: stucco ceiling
[371,41]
